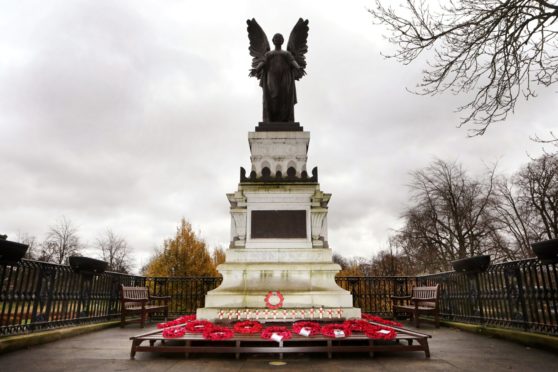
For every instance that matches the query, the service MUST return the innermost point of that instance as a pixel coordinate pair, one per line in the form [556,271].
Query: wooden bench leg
[371,353]
[424,343]
[188,344]
[237,354]
[329,349]
[122,319]
[135,343]
[142,320]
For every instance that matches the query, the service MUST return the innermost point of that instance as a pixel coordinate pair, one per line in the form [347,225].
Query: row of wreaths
[188,324]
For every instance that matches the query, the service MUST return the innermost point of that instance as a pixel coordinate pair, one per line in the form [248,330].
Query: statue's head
[277,40]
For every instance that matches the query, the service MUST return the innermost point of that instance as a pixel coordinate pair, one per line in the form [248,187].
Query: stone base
[276,126]
[213,314]
[278,255]
[304,285]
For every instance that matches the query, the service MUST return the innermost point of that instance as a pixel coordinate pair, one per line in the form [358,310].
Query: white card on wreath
[276,337]
[305,332]
[384,331]
[338,333]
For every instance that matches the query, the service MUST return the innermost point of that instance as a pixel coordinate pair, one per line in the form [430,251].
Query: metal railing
[372,294]
[518,294]
[38,295]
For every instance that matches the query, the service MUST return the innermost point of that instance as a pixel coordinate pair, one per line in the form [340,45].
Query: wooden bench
[423,301]
[136,300]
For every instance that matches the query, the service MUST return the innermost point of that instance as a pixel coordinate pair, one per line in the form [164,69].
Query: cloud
[131,115]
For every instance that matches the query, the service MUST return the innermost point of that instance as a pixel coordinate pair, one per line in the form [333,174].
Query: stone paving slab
[109,350]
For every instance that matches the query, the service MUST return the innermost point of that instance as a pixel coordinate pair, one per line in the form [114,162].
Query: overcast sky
[131,114]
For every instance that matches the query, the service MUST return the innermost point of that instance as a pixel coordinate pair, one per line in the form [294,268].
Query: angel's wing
[259,46]
[298,47]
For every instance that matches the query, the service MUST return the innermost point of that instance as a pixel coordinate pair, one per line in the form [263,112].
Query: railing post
[85,295]
[399,289]
[352,283]
[46,274]
[479,297]
[516,294]
[114,298]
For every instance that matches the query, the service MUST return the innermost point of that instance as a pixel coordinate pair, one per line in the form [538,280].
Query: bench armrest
[400,297]
[165,298]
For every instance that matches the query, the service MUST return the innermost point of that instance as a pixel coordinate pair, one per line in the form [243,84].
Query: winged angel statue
[278,69]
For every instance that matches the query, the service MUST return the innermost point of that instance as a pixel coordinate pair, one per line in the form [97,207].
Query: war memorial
[278,293]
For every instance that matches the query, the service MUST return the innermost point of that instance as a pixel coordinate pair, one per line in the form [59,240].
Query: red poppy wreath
[198,326]
[217,333]
[174,332]
[380,333]
[377,319]
[274,300]
[357,325]
[336,330]
[180,320]
[248,327]
[307,328]
[281,333]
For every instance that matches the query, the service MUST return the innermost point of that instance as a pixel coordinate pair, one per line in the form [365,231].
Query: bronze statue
[278,69]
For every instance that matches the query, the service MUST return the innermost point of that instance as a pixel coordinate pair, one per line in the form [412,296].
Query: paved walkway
[108,350]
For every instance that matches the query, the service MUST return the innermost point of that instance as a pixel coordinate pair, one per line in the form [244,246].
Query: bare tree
[340,260]
[516,217]
[528,204]
[115,251]
[31,241]
[451,218]
[538,184]
[61,242]
[497,49]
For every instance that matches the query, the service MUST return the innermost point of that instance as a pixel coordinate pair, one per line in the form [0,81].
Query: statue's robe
[278,83]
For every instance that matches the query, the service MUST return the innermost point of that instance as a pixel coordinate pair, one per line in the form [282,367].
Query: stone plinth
[278,235]
[279,151]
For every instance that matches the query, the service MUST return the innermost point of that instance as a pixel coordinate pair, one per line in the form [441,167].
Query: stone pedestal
[278,234]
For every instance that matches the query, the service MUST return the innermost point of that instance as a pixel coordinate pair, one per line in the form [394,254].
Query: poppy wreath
[278,305]
[313,327]
[377,319]
[180,320]
[329,330]
[357,325]
[281,331]
[380,333]
[198,326]
[174,332]
[217,333]
[248,327]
